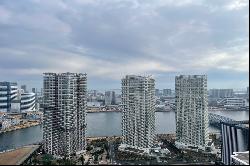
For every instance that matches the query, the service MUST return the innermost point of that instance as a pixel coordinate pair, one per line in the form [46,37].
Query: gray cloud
[110,38]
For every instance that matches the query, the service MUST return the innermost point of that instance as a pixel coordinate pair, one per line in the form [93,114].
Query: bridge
[216,120]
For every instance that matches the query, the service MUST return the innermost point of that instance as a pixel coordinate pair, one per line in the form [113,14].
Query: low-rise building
[233,102]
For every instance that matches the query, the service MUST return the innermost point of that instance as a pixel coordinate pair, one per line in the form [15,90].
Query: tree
[47,159]
[96,157]
[89,148]
[107,157]
[35,161]
[82,159]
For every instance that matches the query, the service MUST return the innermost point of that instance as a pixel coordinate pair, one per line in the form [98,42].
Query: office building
[8,95]
[221,93]
[167,92]
[34,90]
[191,111]
[110,98]
[118,99]
[64,124]
[138,111]
[235,138]
[157,92]
[24,88]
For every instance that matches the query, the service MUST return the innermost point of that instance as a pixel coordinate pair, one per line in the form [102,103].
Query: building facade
[8,94]
[110,98]
[64,123]
[24,88]
[235,138]
[33,90]
[138,111]
[167,92]
[28,102]
[232,102]
[191,111]
[157,92]
[221,93]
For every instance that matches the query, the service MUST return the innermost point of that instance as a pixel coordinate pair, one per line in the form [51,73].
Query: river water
[105,124]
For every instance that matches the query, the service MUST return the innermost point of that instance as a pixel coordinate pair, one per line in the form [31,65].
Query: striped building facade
[235,138]
[8,93]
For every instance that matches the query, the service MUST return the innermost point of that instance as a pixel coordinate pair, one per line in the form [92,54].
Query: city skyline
[115,85]
[124,82]
[162,37]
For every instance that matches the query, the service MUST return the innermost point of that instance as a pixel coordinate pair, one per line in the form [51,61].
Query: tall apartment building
[138,114]
[64,124]
[191,111]
[8,95]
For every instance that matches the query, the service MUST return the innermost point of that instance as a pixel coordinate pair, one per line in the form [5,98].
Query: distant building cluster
[163,92]
[228,99]
[64,102]
[108,98]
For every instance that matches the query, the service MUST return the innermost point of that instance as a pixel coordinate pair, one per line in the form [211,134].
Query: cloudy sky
[108,39]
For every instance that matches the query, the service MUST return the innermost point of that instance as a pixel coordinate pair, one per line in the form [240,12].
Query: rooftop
[242,157]
[64,74]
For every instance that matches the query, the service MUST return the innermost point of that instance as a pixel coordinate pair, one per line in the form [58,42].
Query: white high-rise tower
[64,123]
[138,116]
[191,111]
